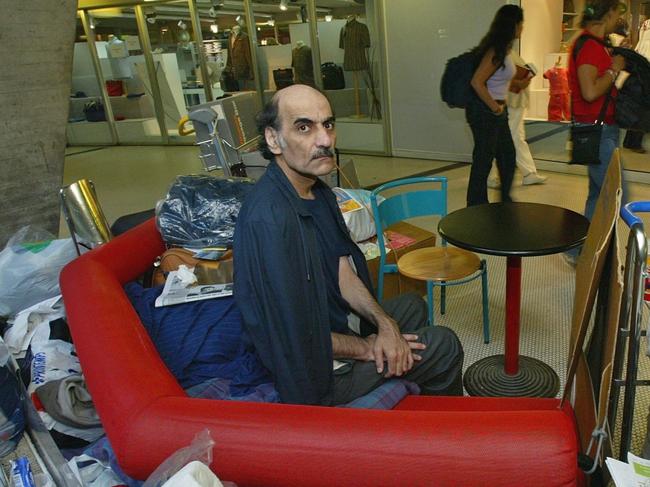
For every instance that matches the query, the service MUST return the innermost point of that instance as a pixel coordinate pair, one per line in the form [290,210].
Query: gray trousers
[438,373]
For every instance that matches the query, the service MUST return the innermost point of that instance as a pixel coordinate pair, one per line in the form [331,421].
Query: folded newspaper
[176,291]
[634,473]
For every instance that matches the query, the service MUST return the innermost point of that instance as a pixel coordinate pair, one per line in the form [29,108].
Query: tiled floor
[130,179]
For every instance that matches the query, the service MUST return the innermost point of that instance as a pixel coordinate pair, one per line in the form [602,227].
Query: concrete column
[36,45]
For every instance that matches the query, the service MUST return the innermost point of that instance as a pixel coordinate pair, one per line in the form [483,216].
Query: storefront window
[546,43]
[87,122]
[124,73]
[275,28]
[350,53]
[275,45]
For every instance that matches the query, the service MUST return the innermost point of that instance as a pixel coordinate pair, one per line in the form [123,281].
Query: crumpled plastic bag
[355,206]
[201,211]
[30,265]
[199,450]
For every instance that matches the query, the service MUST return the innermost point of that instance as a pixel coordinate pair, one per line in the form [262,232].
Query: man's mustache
[323,152]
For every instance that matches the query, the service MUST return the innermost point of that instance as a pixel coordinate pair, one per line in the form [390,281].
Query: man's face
[307,136]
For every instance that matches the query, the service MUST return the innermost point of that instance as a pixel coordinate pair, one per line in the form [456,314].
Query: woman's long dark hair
[501,34]
[595,10]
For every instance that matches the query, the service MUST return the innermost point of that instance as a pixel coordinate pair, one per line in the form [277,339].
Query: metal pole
[198,39]
[252,39]
[151,72]
[315,45]
[108,109]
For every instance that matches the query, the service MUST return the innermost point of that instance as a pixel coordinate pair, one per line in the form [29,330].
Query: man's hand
[396,349]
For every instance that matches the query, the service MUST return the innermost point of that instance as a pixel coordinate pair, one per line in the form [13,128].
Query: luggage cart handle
[627,212]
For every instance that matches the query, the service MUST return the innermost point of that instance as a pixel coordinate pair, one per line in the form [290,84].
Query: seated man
[301,283]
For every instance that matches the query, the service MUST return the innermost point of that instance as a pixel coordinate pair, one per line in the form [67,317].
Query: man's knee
[409,310]
[442,341]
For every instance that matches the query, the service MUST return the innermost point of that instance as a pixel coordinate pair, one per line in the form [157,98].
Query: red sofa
[440,441]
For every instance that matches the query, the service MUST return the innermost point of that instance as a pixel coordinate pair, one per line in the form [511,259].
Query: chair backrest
[420,201]
[86,221]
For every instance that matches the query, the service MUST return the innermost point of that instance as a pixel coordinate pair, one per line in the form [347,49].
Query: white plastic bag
[355,206]
[29,268]
[194,474]
[200,450]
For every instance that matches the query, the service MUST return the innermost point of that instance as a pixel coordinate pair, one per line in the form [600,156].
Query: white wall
[420,36]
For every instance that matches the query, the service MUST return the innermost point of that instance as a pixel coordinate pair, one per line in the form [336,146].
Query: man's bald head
[271,116]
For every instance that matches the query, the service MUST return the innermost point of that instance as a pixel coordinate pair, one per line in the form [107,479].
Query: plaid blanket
[385,396]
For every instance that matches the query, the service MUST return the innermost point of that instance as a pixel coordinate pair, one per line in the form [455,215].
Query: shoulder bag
[585,138]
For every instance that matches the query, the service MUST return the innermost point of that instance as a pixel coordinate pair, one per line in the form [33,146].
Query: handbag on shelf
[585,138]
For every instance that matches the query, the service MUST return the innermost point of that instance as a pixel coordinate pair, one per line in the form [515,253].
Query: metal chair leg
[486,314]
[430,302]
[443,300]
[380,285]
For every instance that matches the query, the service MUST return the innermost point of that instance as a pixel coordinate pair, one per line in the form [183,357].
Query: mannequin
[558,103]
[117,53]
[301,62]
[238,66]
[355,39]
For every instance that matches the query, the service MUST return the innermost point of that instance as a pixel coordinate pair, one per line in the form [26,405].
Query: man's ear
[271,136]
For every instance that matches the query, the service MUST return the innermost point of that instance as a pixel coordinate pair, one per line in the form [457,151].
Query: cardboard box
[396,284]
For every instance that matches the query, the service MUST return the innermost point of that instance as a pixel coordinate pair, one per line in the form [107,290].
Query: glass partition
[274,24]
[346,62]
[87,121]
[124,73]
[546,43]
[351,70]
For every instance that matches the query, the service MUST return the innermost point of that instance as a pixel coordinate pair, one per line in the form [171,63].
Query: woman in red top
[592,73]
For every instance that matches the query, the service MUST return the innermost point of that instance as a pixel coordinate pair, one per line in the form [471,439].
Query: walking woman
[592,73]
[487,114]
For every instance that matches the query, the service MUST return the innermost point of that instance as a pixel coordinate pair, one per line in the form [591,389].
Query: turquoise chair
[439,266]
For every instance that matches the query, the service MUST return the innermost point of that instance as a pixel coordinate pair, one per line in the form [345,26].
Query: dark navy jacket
[280,286]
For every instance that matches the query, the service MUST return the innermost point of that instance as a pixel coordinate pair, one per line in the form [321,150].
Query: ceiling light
[328,18]
[214,28]
[271,22]
[238,18]
[283,4]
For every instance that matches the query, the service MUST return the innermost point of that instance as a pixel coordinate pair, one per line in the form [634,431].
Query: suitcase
[332,76]
[283,77]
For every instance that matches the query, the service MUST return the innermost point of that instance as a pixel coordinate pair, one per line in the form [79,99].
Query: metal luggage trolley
[630,332]
[225,131]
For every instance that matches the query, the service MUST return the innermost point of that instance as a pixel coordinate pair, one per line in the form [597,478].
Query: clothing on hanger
[354,38]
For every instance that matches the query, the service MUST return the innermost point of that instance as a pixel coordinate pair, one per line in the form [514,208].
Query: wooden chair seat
[438,264]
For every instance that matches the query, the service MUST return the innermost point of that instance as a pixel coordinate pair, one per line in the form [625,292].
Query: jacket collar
[276,174]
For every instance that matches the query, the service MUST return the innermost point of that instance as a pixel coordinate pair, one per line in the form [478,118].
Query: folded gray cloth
[68,401]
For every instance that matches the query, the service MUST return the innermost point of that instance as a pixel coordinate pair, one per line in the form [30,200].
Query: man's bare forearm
[350,346]
[358,297]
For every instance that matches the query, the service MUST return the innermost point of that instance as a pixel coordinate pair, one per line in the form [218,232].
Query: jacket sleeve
[277,307]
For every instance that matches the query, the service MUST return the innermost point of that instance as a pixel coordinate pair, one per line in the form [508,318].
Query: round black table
[514,230]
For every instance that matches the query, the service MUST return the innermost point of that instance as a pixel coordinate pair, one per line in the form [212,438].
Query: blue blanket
[200,340]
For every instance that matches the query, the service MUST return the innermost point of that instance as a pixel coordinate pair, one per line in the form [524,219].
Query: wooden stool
[445,266]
